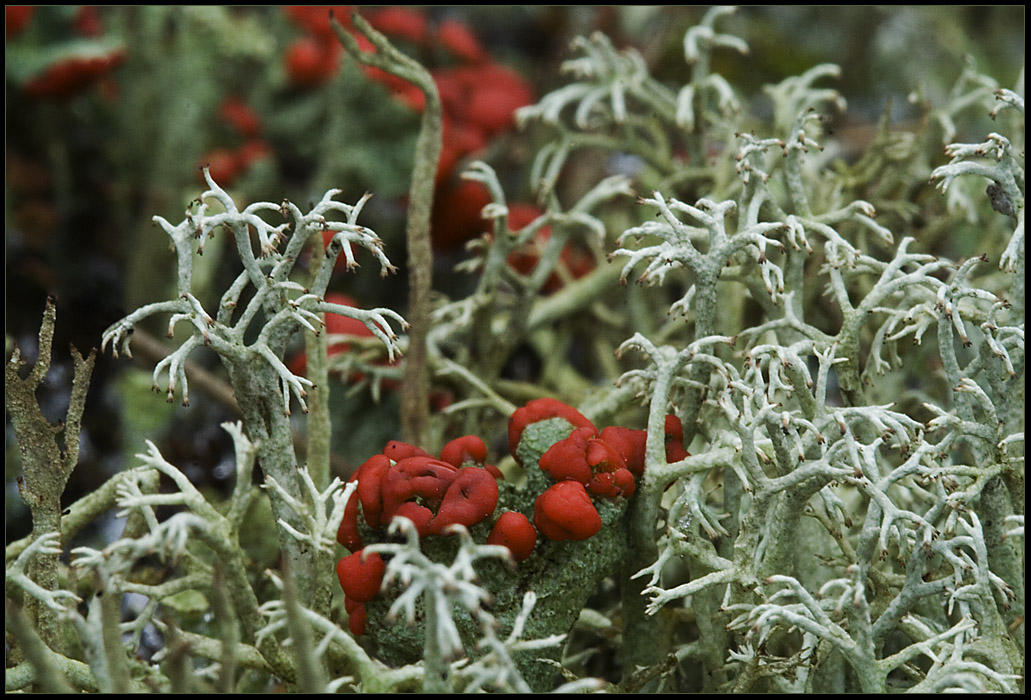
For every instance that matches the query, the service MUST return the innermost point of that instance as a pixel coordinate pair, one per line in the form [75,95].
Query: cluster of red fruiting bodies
[227,163]
[459,487]
[70,72]
[479,96]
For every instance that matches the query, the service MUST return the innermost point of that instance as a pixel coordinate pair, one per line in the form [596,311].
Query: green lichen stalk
[263,385]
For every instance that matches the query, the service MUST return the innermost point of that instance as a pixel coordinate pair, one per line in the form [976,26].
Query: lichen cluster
[812,479]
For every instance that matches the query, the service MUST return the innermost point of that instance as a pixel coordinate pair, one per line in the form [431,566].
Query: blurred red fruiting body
[70,75]
[315,18]
[336,324]
[522,214]
[224,165]
[357,617]
[227,164]
[239,115]
[484,96]
[457,208]
[478,97]
[87,21]
[17,18]
[460,41]
[565,512]
[251,151]
[515,531]
[311,61]
[400,23]
[576,261]
[494,92]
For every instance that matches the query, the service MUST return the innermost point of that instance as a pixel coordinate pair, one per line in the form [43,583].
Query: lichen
[841,512]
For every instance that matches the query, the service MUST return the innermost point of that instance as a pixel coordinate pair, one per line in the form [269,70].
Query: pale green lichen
[850,518]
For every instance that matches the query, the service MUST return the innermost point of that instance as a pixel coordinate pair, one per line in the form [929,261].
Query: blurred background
[110,112]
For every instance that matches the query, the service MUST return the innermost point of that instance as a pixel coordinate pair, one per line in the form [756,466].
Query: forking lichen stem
[415,391]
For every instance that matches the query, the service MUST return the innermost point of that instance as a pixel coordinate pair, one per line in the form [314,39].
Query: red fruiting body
[432,493]
[565,512]
[461,138]
[576,260]
[252,150]
[567,459]
[315,18]
[468,448]
[400,22]
[223,164]
[310,61]
[521,214]
[590,460]
[499,93]
[452,91]
[514,530]
[17,18]
[87,21]
[526,258]
[356,616]
[630,444]
[478,102]
[361,574]
[470,498]
[408,94]
[613,484]
[611,477]
[403,91]
[418,477]
[70,75]
[421,516]
[538,410]
[239,115]
[337,324]
[674,439]
[457,207]
[348,534]
[483,96]
[460,41]
[370,477]
[397,450]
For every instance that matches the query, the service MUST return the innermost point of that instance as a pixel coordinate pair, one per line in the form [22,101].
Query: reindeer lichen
[812,475]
